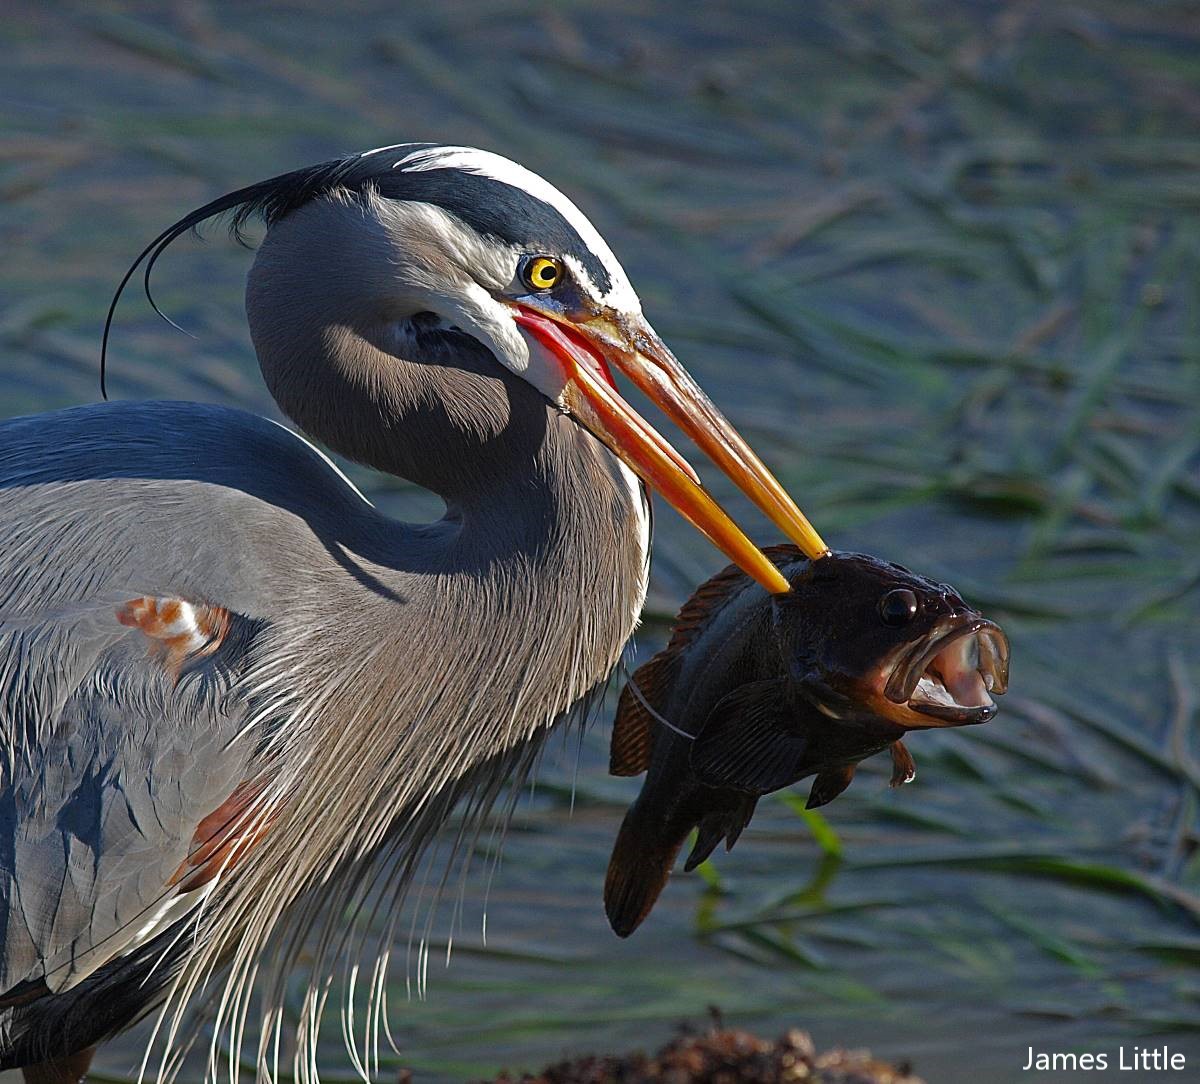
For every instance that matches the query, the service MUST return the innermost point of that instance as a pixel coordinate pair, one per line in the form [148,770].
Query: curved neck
[469,636]
[415,666]
[349,356]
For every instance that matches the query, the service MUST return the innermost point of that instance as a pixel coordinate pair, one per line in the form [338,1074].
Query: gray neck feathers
[424,662]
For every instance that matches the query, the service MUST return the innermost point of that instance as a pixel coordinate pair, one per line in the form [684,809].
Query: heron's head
[487,248]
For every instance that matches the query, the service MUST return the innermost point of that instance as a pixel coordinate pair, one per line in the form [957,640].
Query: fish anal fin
[746,742]
[829,784]
[904,768]
[709,833]
[726,824]
[737,825]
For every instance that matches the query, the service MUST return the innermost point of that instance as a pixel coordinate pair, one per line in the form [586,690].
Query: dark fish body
[755,692]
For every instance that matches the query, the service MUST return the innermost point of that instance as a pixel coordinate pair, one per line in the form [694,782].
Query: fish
[755,692]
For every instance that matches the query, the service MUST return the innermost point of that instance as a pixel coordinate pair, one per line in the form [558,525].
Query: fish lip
[993,663]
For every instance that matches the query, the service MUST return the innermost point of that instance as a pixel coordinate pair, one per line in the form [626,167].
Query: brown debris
[724,1056]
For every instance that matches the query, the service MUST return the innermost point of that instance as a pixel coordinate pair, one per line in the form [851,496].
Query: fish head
[867,639]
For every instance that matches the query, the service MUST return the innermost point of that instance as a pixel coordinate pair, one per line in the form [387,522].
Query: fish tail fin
[639,868]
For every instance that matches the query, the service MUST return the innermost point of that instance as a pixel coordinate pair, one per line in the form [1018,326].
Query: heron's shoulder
[156,426]
[164,440]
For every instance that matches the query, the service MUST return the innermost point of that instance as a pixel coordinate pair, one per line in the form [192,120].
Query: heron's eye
[898,607]
[542,272]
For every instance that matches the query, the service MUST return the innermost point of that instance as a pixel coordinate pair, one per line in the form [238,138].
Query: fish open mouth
[950,676]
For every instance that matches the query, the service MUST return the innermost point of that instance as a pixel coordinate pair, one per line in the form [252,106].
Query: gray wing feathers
[103,796]
[106,765]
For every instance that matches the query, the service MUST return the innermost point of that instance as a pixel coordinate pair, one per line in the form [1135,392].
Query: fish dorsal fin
[713,592]
[746,742]
[633,727]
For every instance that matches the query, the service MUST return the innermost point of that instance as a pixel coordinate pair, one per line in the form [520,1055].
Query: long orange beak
[586,349]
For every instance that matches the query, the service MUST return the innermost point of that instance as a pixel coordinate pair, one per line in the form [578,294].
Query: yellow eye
[542,273]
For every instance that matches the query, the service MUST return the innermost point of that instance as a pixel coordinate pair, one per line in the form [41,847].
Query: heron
[235,697]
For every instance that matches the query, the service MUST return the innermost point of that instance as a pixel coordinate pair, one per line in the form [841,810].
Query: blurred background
[940,263]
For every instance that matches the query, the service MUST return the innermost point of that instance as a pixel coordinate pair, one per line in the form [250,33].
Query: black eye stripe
[498,209]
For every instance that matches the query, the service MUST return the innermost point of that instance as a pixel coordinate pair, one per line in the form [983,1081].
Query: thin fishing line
[647,705]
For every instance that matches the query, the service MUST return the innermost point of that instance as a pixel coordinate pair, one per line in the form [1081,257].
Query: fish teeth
[934,692]
[972,691]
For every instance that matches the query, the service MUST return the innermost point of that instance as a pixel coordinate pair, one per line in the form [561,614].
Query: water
[940,266]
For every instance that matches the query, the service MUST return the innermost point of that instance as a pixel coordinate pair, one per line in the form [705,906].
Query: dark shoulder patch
[23,993]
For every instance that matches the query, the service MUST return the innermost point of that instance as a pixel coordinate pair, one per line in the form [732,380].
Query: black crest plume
[268,200]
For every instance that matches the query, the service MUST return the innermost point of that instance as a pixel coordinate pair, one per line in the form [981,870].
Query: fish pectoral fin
[726,825]
[828,785]
[904,768]
[746,742]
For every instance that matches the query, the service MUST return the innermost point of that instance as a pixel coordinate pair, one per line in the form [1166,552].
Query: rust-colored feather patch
[222,838]
[179,632]
[633,727]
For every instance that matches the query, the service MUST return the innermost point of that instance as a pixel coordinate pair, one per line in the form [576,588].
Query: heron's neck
[531,496]
[473,635]
[513,613]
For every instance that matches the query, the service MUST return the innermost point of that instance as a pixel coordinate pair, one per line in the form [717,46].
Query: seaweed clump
[724,1056]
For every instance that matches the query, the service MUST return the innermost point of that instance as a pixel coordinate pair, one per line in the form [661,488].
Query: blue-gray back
[108,761]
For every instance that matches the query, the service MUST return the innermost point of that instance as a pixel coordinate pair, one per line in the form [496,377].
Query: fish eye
[541,272]
[898,607]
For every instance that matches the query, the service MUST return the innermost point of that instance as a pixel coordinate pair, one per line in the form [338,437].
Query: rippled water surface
[940,263]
